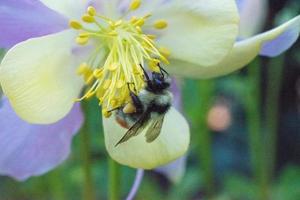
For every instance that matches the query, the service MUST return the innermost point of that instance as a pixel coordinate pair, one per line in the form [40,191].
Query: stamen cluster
[120,47]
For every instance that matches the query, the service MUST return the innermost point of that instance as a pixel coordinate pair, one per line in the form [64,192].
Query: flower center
[121,48]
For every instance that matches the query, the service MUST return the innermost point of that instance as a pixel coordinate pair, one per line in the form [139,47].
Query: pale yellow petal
[137,153]
[39,78]
[242,53]
[199,31]
[72,9]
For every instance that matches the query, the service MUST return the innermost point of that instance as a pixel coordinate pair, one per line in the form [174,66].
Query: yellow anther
[166,52]
[155,61]
[133,19]
[87,74]
[82,69]
[114,103]
[153,65]
[140,22]
[113,66]
[89,79]
[75,24]
[105,113]
[98,73]
[137,70]
[84,34]
[152,37]
[160,24]
[154,68]
[166,61]
[118,23]
[82,40]
[106,84]
[120,83]
[135,4]
[139,29]
[91,11]
[88,18]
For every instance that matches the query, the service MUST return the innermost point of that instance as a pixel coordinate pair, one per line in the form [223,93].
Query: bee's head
[160,81]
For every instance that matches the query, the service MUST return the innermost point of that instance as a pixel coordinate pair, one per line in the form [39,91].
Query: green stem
[89,192]
[253,114]
[206,89]
[56,185]
[114,180]
[275,70]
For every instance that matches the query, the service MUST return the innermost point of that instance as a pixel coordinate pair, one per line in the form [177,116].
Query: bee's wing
[135,129]
[154,129]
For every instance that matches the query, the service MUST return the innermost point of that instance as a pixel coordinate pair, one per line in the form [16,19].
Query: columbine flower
[249,25]
[40,75]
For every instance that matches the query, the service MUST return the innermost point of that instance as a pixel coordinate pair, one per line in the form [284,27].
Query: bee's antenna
[162,69]
[145,74]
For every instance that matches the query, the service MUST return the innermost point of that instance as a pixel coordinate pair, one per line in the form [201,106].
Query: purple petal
[175,170]
[177,100]
[32,150]
[24,19]
[281,43]
[240,4]
[251,24]
[137,182]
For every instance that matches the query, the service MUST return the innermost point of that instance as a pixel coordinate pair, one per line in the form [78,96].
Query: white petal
[39,78]
[72,9]
[172,143]
[242,53]
[199,31]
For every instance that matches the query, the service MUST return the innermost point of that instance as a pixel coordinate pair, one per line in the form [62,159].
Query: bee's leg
[134,89]
[135,100]
[137,103]
[114,109]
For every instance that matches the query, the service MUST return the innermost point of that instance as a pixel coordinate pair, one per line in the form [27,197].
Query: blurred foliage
[230,148]
[286,187]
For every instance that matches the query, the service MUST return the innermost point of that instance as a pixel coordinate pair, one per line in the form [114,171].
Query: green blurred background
[250,151]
